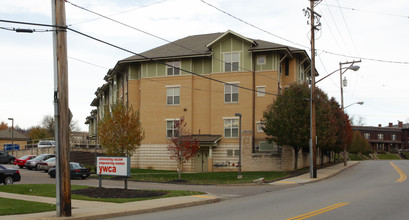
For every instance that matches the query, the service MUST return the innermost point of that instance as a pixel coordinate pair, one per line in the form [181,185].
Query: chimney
[390,124]
[400,124]
[379,125]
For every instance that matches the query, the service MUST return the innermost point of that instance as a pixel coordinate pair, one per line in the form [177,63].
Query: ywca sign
[114,166]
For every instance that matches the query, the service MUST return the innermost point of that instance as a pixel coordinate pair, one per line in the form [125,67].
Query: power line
[368,11]
[92,64]
[333,53]
[137,54]
[349,32]
[160,38]
[121,12]
[254,26]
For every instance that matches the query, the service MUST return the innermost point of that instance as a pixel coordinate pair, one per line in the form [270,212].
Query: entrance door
[201,161]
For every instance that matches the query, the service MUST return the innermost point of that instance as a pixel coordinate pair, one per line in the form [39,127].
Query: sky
[375,32]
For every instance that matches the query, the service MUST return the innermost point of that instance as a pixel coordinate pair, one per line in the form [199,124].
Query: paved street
[365,191]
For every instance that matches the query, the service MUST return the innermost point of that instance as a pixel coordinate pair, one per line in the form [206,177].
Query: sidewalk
[324,173]
[95,210]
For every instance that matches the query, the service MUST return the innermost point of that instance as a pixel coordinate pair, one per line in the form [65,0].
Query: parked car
[76,170]
[47,164]
[46,144]
[6,158]
[9,176]
[22,160]
[32,164]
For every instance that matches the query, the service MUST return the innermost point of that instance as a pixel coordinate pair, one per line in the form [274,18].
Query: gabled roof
[228,33]
[200,45]
[6,134]
[185,47]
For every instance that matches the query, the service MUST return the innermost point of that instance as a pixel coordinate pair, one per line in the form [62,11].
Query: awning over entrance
[207,139]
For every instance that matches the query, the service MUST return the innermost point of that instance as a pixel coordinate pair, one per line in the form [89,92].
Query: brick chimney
[400,124]
[390,124]
[379,125]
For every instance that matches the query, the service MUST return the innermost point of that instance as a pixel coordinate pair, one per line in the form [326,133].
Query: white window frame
[380,136]
[173,68]
[232,124]
[232,61]
[259,126]
[367,135]
[261,91]
[261,57]
[172,128]
[171,92]
[393,137]
[231,90]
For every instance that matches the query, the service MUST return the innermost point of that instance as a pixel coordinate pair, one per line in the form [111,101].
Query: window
[231,128]
[367,136]
[171,128]
[393,137]
[261,60]
[231,62]
[261,91]
[173,68]
[260,126]
[287,67]
[173,95]
[230,153]
[380,136]
[231,93]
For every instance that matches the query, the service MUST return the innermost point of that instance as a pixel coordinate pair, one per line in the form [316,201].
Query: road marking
[401,173]
[207,197]
[319,211]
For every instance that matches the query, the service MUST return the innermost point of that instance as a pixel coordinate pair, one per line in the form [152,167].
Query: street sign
[114,166]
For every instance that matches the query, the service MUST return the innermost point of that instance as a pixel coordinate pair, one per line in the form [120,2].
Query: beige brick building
[206,79]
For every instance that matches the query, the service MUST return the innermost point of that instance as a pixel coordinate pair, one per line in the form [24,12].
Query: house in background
[389,138]
[207,79]
[18,138]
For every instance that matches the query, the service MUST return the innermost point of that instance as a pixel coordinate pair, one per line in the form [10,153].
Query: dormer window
[231,62]
[173,68]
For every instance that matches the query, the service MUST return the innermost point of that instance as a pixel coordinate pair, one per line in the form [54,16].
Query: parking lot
[39,177]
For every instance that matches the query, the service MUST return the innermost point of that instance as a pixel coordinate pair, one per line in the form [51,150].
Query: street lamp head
[11,119]
[237,114]
[354,68]
[360,103]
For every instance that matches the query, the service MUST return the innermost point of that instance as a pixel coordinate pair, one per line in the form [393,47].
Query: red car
[22,160]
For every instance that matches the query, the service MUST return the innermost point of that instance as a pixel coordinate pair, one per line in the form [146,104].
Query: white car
[46,165]
[46,144]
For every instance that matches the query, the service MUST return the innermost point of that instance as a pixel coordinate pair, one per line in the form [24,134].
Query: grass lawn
[353,157]
[14,207]
[387,157]
[48,190]
[203,178]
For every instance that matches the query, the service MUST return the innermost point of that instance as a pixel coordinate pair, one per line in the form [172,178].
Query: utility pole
[61,111]
[313,136]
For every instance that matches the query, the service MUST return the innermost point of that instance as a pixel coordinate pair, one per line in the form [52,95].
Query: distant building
[389,138]
[6,137]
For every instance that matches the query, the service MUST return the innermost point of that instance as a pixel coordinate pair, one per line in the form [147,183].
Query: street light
[12,135]
[359,103]
[239,176]
[354,68]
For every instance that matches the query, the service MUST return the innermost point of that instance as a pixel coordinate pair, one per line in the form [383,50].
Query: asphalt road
[366,191]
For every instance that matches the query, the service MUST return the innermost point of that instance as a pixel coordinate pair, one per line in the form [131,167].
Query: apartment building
[386,138]
[207,79]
